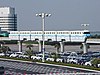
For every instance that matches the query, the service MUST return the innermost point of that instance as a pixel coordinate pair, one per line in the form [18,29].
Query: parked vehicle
[99,65]
[36,57]
[72,60]
[50,59]
[60,60]
[82,60]
[16,54]
[88,63]
[2,54]
[23,56]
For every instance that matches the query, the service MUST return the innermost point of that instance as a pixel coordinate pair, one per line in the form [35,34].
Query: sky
[66,14]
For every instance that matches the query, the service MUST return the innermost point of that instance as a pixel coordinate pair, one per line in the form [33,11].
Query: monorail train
[68,36]
[4,34]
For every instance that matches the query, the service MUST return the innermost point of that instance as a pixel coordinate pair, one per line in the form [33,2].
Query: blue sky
[66,14]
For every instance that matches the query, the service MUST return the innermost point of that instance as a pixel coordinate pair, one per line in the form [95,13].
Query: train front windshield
[87,33]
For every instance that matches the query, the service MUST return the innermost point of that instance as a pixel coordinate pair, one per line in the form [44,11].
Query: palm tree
[5,49]
[57,46]
[29,52]
[29,46]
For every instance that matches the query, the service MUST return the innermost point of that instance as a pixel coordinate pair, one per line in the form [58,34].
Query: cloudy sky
[66,14]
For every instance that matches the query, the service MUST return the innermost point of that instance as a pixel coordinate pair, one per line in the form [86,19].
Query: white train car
[25,34]
[36,35]
[78,36]
[14,35]
[68,36]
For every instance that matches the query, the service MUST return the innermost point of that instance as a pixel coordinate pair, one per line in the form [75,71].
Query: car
[88,63]
[50,59]
[2,54]
[59,60]
[72,60]
[82,60]
[36,57]
[99,65]
[16,54]
[73,54]
[23,56]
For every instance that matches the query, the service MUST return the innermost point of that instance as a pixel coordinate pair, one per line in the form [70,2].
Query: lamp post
[43,15]
[85,25]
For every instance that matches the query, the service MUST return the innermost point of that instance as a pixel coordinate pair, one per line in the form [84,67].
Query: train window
[71,33]
[66,32]
[77,32]
[86,32]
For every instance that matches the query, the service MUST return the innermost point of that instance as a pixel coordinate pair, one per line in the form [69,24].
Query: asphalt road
[19,68]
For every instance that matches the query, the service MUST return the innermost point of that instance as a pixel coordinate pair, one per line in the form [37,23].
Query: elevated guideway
[92,40]
[96,41]
[4,38]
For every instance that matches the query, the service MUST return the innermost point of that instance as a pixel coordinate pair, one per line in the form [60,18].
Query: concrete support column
[62,46]
[20,45]
[85,49]
[1,45]
[40,46]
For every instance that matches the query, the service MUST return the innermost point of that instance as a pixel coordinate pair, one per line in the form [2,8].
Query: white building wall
[8,19]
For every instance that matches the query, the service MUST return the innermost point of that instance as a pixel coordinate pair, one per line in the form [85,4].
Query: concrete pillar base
[62,46]
[40,46]
[20,45]
[85,50]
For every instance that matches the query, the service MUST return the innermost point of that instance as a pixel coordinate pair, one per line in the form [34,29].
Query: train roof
[54,31]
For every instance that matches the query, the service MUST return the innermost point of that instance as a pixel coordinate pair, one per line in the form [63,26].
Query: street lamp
[85,25]
[43,15]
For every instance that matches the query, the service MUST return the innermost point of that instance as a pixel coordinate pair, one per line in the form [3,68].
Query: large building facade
[8,19]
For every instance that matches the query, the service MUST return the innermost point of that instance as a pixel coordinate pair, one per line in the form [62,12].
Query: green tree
[5,49]
[95,61]
[57,46]
[29,46]
[29,53]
